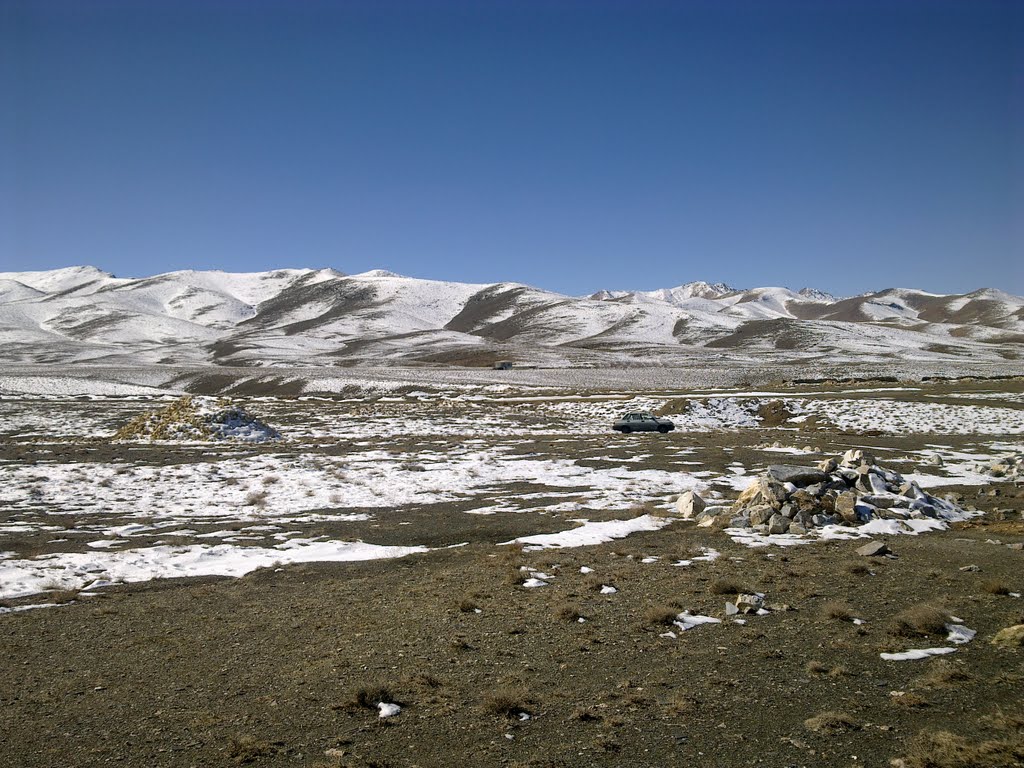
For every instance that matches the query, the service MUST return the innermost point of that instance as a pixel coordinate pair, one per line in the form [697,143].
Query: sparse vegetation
[660,615]
[837,610]
[921,620]
[507,702]
[727,587]
[941,674]
[568,612]
[831,722]
[995,587]
[370,695]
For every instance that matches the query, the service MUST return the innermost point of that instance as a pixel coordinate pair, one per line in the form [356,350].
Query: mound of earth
[198,419]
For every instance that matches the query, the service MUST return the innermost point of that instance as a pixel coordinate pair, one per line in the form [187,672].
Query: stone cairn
[1008,467]
[850,490]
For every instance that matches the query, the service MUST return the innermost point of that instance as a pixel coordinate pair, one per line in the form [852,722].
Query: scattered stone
[689,505]
[856,457]
[1012,637]
[874,549]
[749,603]
[1010,467]
[971,568]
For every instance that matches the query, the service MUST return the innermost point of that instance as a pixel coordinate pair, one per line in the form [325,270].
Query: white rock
[689,505]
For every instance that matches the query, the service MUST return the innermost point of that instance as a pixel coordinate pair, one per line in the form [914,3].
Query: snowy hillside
[321,316]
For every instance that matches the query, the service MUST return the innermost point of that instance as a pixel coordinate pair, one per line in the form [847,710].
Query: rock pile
[1009,467]
[197,419]
[850,490]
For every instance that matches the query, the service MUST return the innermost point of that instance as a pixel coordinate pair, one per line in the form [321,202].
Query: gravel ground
[287,665]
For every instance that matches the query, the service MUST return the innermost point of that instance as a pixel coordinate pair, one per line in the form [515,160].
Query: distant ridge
[324,317]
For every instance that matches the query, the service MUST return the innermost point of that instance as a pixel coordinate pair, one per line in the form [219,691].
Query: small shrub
[568,612]
[586,715]
[271,480]
[942,674]
[594,581]
[995,587]
[507,702]
[921,619]
[817,668]
[662,615]
[370,695]
[468,606]
[516,577]
[837,610]
[256,499]
[727,587]
[857,569]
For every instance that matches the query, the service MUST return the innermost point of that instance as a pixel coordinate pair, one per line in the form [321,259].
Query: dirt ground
[286,666]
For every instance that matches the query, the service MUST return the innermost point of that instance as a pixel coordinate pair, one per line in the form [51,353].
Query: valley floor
[376,561]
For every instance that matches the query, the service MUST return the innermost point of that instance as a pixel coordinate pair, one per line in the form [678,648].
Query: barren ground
[285,665]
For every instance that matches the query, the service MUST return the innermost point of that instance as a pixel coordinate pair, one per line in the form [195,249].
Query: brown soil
[285,666]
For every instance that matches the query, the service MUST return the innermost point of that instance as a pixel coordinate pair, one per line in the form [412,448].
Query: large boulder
[689,505]
[764,490]
[799,476]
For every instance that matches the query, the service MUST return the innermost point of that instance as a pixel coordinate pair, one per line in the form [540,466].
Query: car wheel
[663,429]
[626,430]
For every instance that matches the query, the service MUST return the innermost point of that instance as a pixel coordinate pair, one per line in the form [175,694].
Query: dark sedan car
[642,422]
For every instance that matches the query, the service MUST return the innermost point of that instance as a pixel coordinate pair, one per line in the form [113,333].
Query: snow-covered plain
[349,466]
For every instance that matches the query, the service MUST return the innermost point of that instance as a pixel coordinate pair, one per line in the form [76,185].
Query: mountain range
[324,317]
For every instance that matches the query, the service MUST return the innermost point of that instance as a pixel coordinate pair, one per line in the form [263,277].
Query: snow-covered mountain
[316,317]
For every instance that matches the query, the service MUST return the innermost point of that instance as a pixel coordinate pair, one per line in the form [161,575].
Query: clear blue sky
[569,145]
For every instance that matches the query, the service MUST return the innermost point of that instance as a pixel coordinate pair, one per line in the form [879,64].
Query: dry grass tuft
[857,569]
[942,674]
[910,701]
[468,606]
[817,668]
[586,715]
[995,587]
[660,615]
[568,612]
[516,577]
[247,749]
[921,619]
[594,581]
[256,499]
[942,749]
[831,722]
[370,695]
[837,610]
[727,587]
[508,702]
[682,704]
